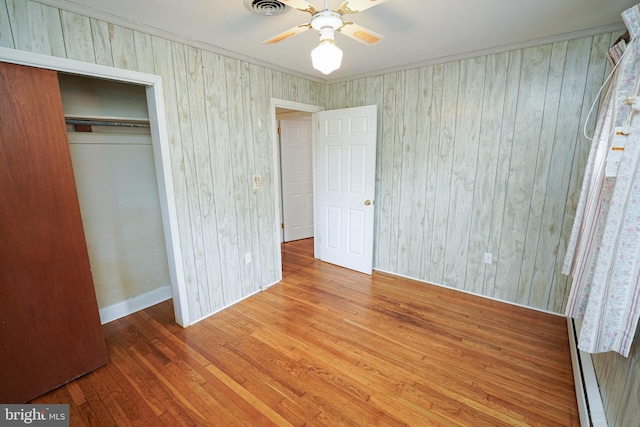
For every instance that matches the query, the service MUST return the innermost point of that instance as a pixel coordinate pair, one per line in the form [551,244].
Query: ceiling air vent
[265,7]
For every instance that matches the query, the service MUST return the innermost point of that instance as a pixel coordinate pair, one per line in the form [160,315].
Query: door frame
[161,153]
[277,185]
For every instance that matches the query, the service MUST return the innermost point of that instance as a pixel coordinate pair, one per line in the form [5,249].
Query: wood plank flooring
[328,346]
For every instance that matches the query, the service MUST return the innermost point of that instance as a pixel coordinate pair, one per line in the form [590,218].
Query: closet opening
[114,167]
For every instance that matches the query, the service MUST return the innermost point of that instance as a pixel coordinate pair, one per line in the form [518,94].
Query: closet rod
[105,123]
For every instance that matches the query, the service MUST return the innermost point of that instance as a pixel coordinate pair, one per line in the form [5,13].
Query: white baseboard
[264,288]
[590,405]
[471,293]
[222,308]
[124,308]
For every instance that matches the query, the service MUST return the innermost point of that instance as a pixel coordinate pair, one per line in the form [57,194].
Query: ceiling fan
[327,57]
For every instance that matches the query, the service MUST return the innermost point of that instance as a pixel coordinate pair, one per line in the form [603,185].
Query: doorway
[283,109]
[343,182]
[160,145]
[112,158]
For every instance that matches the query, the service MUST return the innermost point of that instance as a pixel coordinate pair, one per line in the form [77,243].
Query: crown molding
[489,51]
[71,6]
[179,38]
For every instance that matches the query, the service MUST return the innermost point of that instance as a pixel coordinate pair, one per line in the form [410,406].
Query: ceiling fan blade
[289,33]
[361,34]
[355,6]
[301,5]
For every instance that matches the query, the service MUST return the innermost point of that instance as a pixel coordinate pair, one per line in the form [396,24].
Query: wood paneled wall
[218,118]
[483,155]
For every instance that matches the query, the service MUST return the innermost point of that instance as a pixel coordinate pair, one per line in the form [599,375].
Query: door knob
[367,202]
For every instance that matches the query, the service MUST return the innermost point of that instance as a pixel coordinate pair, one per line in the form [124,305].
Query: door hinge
[282,225]
[279,131]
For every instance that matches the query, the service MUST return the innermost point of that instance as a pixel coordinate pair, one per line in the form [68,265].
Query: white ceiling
[416,32]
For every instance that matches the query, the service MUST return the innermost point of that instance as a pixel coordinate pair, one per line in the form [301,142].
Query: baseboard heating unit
[584,375]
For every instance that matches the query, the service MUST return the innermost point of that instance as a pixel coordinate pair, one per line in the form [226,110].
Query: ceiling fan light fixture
[326,19]
[326,57]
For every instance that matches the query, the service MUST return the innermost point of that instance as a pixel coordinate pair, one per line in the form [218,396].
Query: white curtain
[603,255]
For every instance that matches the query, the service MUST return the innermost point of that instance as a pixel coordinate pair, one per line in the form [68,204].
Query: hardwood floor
[328,346]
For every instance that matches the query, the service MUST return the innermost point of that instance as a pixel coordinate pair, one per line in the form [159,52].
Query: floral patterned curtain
[603,255]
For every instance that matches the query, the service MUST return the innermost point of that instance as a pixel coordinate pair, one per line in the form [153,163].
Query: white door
[346,163]
[297,179]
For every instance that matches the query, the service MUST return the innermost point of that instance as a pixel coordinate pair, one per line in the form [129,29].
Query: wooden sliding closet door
[50,330]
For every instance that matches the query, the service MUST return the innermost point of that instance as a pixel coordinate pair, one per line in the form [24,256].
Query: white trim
[158,32]
[596,409]
[130,306]
[127,23]
[161,156]
[581,397]
[298,106]
[590,405]
[160,141]
[471,293]
[72,66]
[206,316]
[589,32]
[263,288]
